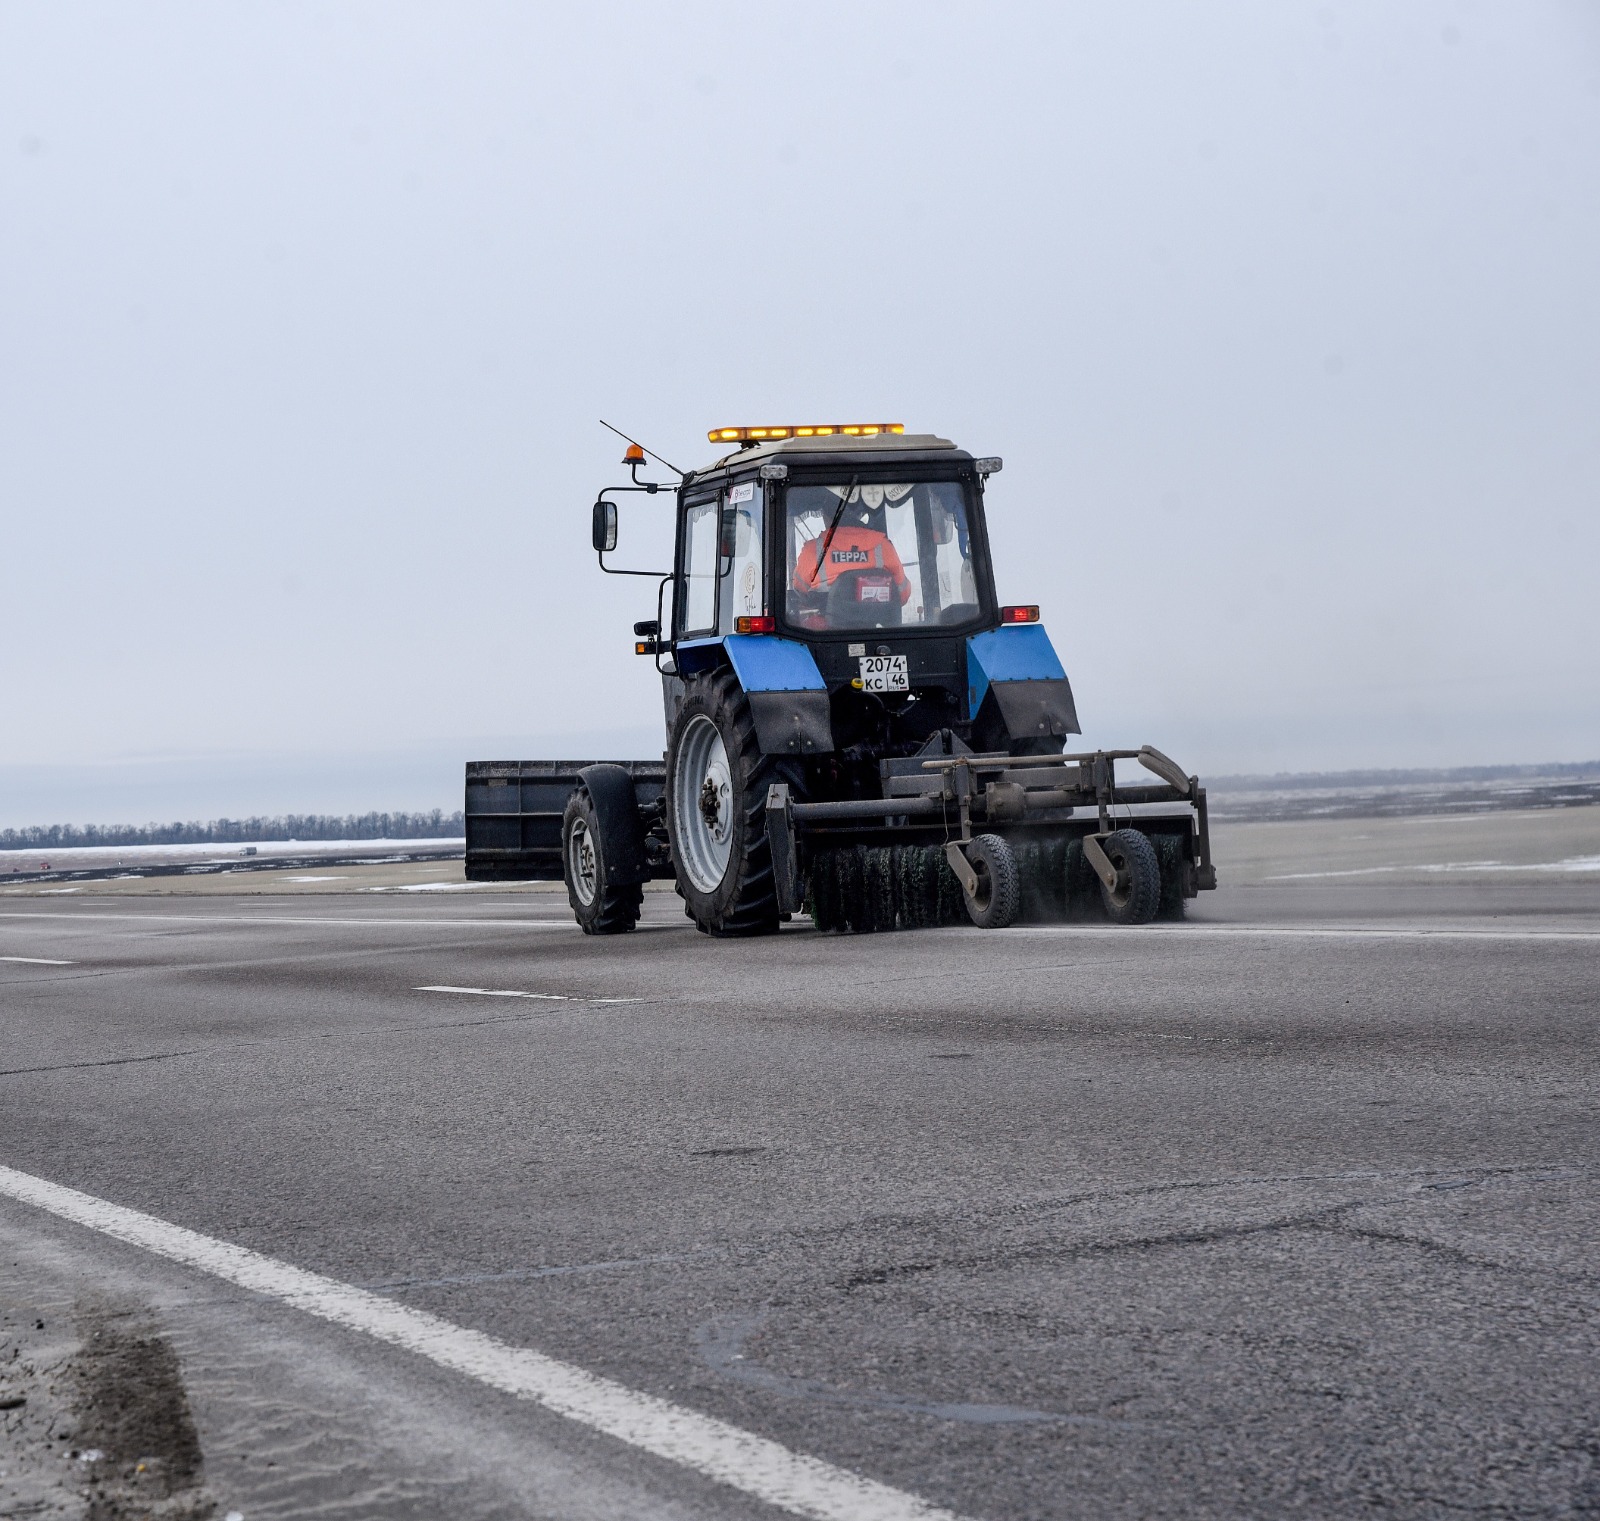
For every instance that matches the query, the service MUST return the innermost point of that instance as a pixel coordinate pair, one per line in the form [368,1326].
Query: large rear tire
[717,780]
[599,906]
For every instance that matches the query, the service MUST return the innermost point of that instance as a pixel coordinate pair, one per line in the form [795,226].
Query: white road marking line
[37,961]
[1276,932]
[562,923]
[1355,871]
[756,1465]
[1175,931]
[511,993]
[1569,865]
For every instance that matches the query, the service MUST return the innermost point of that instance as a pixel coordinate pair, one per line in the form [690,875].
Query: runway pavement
[1287,1209]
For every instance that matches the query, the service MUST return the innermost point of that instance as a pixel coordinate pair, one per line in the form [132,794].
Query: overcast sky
[1285,319]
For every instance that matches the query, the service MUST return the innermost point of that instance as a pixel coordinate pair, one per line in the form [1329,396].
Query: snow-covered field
[101,857]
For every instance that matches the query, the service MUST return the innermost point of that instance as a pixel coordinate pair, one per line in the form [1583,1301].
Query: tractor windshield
[879,556]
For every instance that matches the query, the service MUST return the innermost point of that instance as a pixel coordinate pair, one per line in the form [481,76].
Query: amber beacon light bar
[816,430]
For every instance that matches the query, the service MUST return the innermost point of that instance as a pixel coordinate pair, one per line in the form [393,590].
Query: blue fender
[1019,664]
[787,695]
[765,663]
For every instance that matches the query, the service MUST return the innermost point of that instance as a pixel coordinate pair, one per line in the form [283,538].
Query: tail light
[765,624]
[1029,614]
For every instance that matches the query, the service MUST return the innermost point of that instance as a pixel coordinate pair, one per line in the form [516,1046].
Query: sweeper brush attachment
[867,889]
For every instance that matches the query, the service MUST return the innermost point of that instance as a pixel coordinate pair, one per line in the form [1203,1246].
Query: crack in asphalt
[32,982]
[1464,1258]
[114,1061]
[223,1047]
[1054,1252]
[525,1275]
[260,963]
[874,1276]
[939,1220]
[1029,1208]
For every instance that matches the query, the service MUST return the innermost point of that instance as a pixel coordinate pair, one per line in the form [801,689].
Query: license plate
[884,673]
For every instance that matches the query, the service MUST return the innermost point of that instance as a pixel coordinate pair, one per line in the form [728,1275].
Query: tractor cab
[842,574]
[835,537]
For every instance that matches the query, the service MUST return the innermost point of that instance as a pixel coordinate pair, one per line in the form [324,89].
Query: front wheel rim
[703,804]
[582,867]
[1122,893]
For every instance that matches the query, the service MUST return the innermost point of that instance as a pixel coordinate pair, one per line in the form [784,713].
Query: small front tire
[998,900]
[1136,899]
[599,906]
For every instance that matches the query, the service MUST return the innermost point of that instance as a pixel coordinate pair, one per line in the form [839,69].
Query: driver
[859,546]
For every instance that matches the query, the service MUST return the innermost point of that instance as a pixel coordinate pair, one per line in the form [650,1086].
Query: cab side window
[699,578]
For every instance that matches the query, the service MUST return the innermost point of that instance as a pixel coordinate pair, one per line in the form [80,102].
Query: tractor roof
[834,444]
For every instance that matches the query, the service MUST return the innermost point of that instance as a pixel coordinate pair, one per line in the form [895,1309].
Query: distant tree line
[289,826]
[1310,780]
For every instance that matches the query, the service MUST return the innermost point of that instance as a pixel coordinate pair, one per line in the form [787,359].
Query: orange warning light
[812,430]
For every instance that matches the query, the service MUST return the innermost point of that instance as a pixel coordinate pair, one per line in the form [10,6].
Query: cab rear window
[878,555]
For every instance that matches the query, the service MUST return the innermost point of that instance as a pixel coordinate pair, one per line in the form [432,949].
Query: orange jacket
[851,548]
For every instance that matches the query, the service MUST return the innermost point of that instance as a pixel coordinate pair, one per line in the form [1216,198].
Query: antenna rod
[651,452]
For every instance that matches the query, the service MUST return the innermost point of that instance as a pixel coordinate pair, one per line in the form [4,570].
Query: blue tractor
[856,727]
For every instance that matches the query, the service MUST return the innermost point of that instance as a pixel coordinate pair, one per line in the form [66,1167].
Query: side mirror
[605,526]
[649,629]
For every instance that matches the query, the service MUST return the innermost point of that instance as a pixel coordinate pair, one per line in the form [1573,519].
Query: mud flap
[780,840]
[1032,709]
[791,723]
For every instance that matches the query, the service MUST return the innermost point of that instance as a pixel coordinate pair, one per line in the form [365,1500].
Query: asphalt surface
[1289,1209]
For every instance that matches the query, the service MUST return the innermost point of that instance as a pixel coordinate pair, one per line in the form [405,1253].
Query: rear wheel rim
[703,804]
[582,867]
